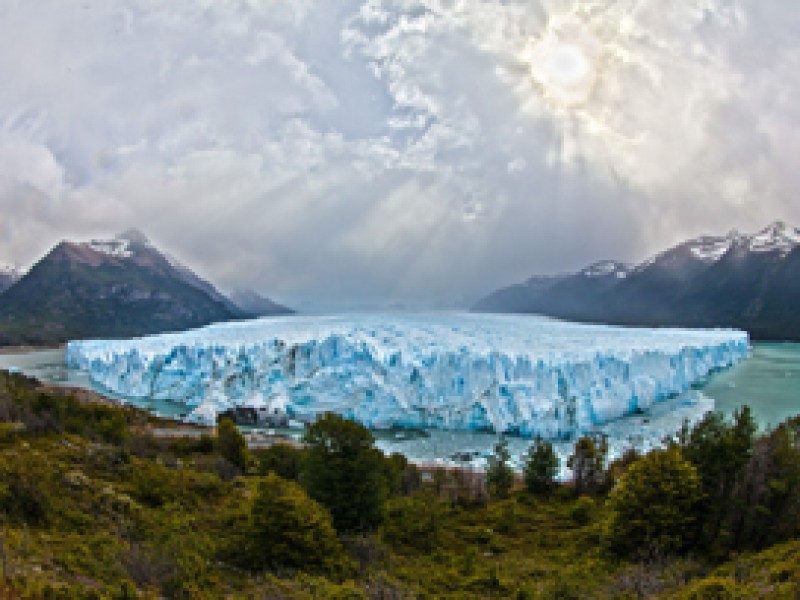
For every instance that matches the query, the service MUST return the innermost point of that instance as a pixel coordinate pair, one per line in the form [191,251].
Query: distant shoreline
[27,348]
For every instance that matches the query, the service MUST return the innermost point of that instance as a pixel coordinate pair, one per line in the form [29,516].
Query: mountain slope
[746,281]
[8,277]
[117,288]
[257,305]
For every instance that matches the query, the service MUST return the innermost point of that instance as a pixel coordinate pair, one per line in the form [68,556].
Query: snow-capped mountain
[108,288]
[750,281]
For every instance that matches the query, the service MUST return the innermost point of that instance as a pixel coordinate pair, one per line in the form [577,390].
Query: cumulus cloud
[380,151]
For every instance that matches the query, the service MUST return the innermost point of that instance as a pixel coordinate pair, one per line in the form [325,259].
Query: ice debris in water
[523,375]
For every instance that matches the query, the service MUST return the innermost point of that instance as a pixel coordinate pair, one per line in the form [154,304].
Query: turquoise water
[769,382]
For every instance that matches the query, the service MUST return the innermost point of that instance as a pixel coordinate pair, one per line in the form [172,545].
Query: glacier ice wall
[515,374]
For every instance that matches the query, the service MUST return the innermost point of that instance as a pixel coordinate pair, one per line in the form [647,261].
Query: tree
[288,529]
[499,475]
[282,459]
[344,471]
[541,466]
[231,443]
[588,464]
[765,506]
[720,450]
[655,505]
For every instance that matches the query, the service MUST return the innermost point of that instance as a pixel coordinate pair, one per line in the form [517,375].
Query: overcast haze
[332,154]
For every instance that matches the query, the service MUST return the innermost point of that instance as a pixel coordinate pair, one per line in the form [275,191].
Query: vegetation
[93,506]
[655,505]
[288,529]
[499,475]
[232,445]
[343,470]
[541,466]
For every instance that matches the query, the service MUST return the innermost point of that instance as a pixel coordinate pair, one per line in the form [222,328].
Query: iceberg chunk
[514,374]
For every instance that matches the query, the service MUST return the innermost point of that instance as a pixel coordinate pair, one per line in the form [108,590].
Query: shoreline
[23,349]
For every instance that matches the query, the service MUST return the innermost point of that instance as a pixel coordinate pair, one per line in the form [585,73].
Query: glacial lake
[768,381]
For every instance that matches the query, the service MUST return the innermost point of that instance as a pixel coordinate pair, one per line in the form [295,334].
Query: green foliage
[588,465]
[231,444]
[765,504]
[712,588]
[413,522]
[720,450]
[541,466]
[654,506]
[343,471]
[288,529]
[582,510]
[282,459]
[499,475]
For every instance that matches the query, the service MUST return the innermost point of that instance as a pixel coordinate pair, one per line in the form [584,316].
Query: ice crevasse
[525,375]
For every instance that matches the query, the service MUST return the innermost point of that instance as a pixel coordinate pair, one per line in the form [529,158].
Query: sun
[564,62]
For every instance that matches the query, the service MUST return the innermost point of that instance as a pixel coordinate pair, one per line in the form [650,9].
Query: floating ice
[516,374]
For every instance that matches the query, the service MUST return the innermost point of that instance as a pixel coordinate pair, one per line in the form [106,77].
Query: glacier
[515,374]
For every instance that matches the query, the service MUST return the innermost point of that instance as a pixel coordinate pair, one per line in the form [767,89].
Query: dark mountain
[8,277]
[257,305]
[746,281]
[116,288]
[520,297]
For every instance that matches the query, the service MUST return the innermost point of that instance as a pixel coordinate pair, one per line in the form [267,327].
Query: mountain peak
[775,236]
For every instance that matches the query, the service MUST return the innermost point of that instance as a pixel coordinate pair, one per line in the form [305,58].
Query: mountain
[8,277]
[257,305]
[737,280]
[121,287]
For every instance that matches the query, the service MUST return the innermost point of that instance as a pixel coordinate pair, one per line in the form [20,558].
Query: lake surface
[768,381]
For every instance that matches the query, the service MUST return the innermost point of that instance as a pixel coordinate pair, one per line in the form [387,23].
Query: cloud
[381,151]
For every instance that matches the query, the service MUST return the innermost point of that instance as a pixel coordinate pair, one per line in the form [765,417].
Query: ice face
[515,374]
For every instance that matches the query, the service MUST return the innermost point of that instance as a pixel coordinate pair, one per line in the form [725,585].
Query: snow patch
[118,248]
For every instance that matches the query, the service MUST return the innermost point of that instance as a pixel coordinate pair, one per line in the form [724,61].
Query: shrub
[655,505]
[282,459]
[413,522]
[582,511]
[287,529]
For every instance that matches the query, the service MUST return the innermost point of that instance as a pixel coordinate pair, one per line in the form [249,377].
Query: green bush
[282,459]
[413,522]
[711,588]
[287,529]
[655,505]
[582,510]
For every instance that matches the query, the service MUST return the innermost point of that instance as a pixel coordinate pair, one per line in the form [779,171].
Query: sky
[395,152]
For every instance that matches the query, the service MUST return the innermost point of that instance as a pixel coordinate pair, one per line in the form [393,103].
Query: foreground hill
[738,280]
[117,288]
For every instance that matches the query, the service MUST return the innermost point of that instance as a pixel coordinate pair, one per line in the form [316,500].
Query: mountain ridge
[737,280]
[122,287]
